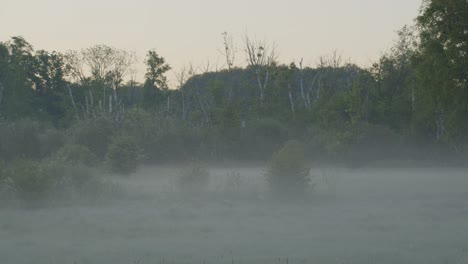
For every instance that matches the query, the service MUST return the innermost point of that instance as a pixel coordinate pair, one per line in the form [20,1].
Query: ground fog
[372,215]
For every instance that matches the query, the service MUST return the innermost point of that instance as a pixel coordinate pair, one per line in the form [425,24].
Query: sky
[186,31]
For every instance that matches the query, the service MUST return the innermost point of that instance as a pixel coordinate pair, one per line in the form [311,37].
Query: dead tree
[73,103]
[291,100]
[182,76]
[261,58]
[301,84]
[229,51]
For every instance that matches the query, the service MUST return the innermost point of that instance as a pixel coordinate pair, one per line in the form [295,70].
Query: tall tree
[156,81]
[443,69]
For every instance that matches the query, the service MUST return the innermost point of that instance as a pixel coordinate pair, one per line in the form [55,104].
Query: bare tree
[103,63]
[291,100]
[182,76]
[75,64]
[73,103]
[301,83]
[333,60]
[261,58]
[100,62]
[229,51]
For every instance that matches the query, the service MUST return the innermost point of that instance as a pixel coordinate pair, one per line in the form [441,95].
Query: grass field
[378,215]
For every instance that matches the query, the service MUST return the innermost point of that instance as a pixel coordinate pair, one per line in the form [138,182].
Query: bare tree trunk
[1,92]
[73,103]
[183,106]
[203,109]
[260,87]
[84,113]
[92,103]
[110,103]
[291,101]
[301,84]
[261,59]
[168,106]
[104,96]
[87,106]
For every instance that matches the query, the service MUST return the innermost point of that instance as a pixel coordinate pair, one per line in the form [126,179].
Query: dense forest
[411,104]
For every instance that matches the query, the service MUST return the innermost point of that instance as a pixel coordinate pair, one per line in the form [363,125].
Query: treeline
[411,104]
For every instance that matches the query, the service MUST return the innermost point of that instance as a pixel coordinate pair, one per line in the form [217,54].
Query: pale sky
[186,31]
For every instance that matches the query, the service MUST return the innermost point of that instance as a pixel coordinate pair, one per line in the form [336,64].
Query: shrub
[73,180]
[29,180]
[261,138]
[51,140]
[20,139]
[76,154]
[288,174]
[194,179]
[52,180]
[123,155]
[5,184]
[95,134]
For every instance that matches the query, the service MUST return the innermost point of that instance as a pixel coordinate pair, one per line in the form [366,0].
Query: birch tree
[261,58]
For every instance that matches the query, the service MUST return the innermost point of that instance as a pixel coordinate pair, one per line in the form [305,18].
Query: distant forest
[411,104]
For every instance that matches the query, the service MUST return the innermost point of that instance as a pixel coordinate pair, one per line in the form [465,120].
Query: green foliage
[156,68]
[123,155]
[194,179]
[29,180]
[143,128]
[95,134]
[51,180]
[417,90]
[288,174]
[261,138]
[76,154]
[29,139]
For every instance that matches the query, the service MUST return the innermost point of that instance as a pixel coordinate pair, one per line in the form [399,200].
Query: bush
[20,139]
[52,180]
[96,135]
[5,184]
[194,179]
[288,174]
[261,138]
[51,140]
[29,180]
[73,180]
[76,154]
[123,155]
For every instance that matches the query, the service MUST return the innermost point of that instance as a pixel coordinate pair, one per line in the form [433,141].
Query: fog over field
[283,150]
[369,215]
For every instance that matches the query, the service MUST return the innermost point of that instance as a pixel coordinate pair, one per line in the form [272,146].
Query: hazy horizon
[190,32]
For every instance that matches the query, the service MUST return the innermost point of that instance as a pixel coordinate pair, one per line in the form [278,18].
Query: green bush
[73,180]
[194,179]
[52,180]
[261,138]
[50,141]
[29,180]
[4,180]
[288,174]
[76,154]
[96,135]
[20,139]
[123,155]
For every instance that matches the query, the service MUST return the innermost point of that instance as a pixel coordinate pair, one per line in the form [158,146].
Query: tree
[261,58]
[442,68]
[155,70]
[288,174]
[156,82]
